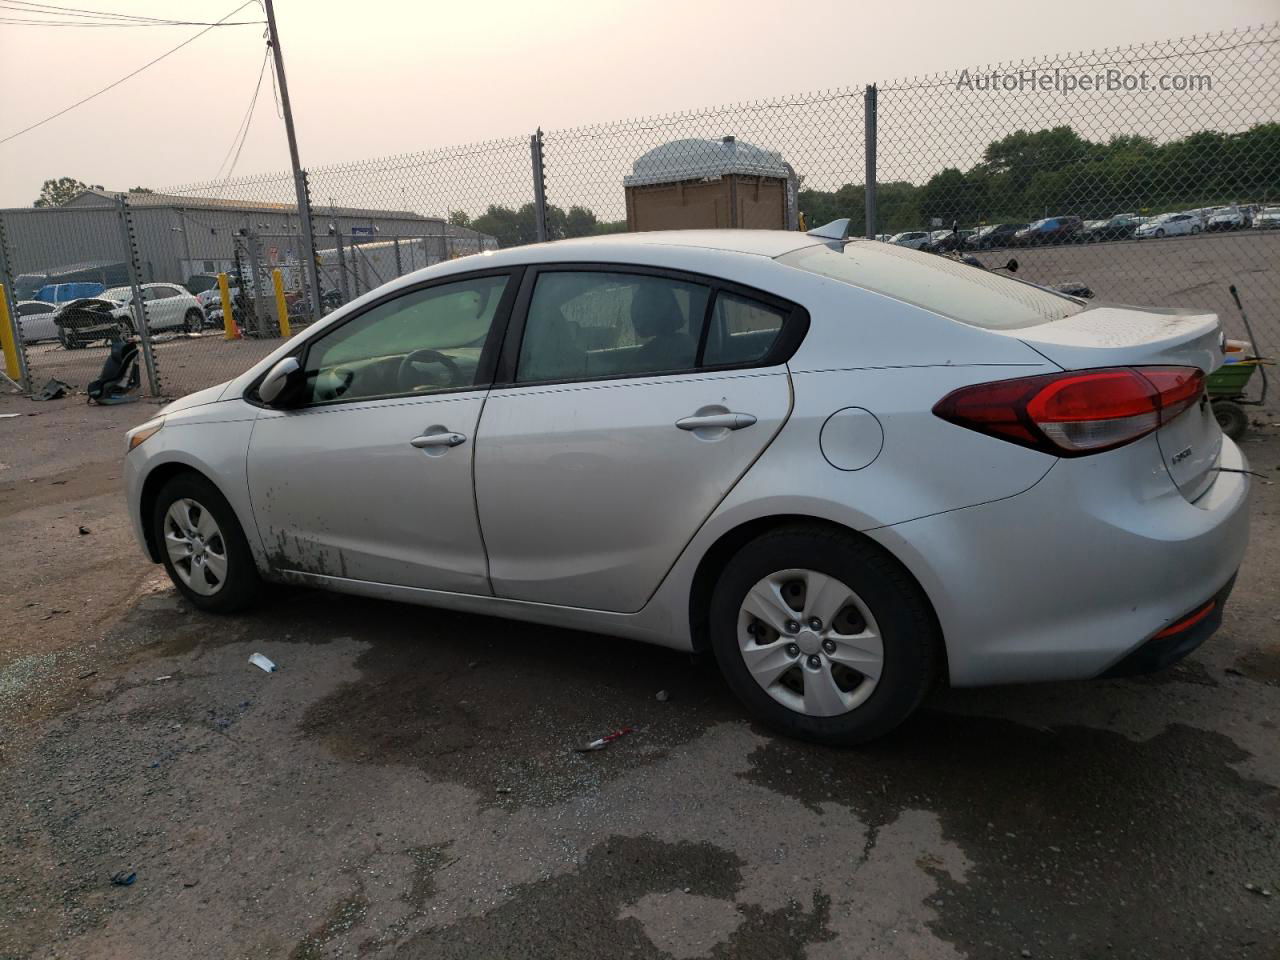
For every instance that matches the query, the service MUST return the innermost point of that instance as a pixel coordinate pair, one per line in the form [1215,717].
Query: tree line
[513,227]
[1056,172]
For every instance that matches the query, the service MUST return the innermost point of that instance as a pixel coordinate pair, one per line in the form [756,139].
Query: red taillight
[1075,413]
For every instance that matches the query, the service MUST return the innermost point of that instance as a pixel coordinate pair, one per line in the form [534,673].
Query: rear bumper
[1171,644]
[1072,577]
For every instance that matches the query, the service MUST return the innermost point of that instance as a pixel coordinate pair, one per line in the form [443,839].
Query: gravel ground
[406,785]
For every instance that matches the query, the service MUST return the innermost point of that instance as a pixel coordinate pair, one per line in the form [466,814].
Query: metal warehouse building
[178,236]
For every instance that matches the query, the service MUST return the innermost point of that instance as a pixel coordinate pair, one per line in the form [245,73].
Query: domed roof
[695,159]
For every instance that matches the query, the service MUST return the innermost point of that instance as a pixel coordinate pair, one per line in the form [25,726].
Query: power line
[242,131]
[52,10]
[15,21]
[128,76]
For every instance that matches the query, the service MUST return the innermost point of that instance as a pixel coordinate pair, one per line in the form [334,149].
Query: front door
[367,476]
[638,400]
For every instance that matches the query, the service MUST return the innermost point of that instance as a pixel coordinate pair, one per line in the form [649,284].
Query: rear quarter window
[944,286]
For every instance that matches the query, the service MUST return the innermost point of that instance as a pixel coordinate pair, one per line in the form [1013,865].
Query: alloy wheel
[195,546]
[810,642]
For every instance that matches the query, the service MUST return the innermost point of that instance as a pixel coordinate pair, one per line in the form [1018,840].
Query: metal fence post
[869,113]
[311,276]
[6,278]
[342,262]
[261,281]
[539,187]
[141,324]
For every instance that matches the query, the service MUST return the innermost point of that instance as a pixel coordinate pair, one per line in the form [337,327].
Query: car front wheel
[203,546]
[823,636]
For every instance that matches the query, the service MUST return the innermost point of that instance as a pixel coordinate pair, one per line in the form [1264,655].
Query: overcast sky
[383,77]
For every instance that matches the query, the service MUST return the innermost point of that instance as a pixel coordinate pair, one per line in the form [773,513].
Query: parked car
[994,235]
[1267,218]
[839,468]
[948,241]
[59,293]
[83,322]
[168,307]
[1169,225]
[35,320]
[1114,228]
[105,273]
[1048,231]
[1228,218]
[915,239]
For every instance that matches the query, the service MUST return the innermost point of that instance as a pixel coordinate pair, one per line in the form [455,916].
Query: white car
[1267,218]
[1169,225]
[912,239]
[848,469]
[35,320]
[168,307]
[1228,218]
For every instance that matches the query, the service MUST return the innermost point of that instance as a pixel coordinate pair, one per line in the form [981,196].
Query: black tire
[192,321]
[912,644]
[126,328]
[1159,234]
[242,584]
[1231,418]
[69,339]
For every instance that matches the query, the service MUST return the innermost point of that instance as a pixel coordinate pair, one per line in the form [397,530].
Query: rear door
[634,400]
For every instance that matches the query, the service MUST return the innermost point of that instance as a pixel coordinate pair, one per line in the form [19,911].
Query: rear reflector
[1186,623]
[1078,412]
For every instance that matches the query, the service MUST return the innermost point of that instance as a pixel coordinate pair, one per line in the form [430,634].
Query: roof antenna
[836,231]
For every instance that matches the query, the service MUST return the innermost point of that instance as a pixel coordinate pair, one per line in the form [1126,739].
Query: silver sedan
[850,470]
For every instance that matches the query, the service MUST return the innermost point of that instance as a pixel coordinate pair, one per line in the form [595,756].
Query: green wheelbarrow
[1228,385]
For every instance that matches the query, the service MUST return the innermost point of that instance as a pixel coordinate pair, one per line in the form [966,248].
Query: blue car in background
[66,292]
[99,275]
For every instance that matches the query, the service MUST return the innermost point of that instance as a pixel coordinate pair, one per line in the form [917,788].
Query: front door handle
[730,421]
[438,440]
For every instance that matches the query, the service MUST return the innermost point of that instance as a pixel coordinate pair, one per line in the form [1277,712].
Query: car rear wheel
[69,339]
[192,321]
[823,636]
[203,547]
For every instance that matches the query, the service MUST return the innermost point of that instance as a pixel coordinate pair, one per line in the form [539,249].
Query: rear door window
[742,330]
[598,324]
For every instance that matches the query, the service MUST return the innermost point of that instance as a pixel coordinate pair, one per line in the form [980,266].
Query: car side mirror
[1012,265]
[273,385]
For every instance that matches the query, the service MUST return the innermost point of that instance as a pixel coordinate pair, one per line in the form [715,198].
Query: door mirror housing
[273,385]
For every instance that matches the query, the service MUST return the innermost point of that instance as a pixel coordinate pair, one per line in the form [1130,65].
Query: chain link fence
[1144,173]
[1150,175]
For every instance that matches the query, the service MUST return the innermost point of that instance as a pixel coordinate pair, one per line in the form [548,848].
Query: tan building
[689,184]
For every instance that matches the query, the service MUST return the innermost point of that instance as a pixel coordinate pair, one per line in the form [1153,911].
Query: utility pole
[308,251]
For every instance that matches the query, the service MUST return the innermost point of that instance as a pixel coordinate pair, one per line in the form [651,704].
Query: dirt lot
[405,785]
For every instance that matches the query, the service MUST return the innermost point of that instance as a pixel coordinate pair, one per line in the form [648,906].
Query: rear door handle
[731,421]
[438,440]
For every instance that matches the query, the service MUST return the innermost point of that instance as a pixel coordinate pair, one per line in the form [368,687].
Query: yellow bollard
[11,365]
[282,308]
[228,319]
